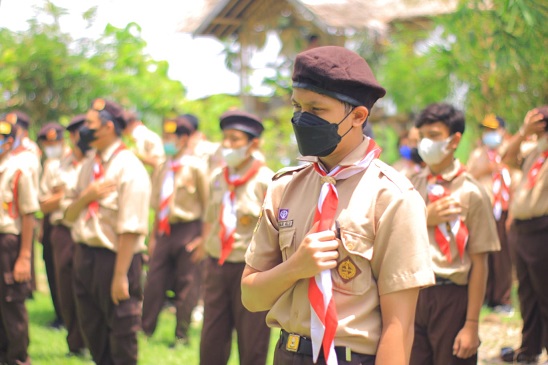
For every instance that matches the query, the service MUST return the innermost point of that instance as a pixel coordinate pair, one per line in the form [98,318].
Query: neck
[241,167]
[109,141]
[444,164]
[331,161]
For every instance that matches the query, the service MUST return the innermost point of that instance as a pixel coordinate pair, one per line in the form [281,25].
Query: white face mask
[235,156]
[53,151]
[542,143]
[433,152]
[492,139]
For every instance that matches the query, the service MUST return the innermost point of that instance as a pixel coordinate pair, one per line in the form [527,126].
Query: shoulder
[390,178]
[287,173]
[52,164]
[474,188]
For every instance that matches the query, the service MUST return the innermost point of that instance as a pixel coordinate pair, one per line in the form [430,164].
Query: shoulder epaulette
[287,171]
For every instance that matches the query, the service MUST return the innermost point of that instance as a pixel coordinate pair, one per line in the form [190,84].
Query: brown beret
[242,121]
[76,122]
[51,132]
[192,119]
[18,117]
[7,128]
[339,73]
[178,125]
[110,110]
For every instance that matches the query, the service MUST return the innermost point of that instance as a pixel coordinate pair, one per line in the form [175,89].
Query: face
[413,137]
[435,131]
[179,141]
[73,138]
[234,139]
[5,145]
[93,121]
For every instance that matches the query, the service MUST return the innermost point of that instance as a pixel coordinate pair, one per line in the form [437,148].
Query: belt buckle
[293,341]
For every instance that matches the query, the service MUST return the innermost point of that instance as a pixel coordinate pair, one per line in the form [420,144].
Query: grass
[48,346]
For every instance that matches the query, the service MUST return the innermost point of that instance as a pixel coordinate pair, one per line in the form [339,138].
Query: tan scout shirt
[148,143]
[477,215]
[63,174]
[20,166]
[249,199]
[384,246]
[531,203]
[125,210]
[191,190]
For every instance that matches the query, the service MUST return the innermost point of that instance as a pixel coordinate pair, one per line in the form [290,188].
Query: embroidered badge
[283,214]
[347,269]
[98,104]
[245,220]
[285,224]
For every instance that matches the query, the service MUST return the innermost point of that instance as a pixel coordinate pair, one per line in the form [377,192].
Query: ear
[254,144]
[455,140]
[359,115]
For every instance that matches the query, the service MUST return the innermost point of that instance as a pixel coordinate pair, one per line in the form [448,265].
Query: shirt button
[350,245]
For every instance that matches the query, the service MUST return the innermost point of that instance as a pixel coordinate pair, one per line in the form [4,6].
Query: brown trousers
[47,256]
[110,331]
[224,312]
[63,253]
[440,315]
[531,258]
[499,279]
[172,264]
[14,331]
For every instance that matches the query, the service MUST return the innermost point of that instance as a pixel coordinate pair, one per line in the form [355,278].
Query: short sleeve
[27,193]
[401,258]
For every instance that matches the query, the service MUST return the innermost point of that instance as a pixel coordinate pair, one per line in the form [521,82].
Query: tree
[46,73]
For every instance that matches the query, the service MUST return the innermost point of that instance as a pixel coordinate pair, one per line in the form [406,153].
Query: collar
[449,173]
[355,156]
[106,155]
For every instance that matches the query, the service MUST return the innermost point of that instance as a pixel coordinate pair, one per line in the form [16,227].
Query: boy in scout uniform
[19,202]
[462,232]
[50,138]
[59,177]
[179,197]
[529,208]
[485,165]
[340,250]
[147,145]
[22,121]
[236,195]
[109,216]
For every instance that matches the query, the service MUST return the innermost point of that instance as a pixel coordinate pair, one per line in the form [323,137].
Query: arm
[530,126]
[398,319]
[52,203]
[467,341]
[317,252]
[126,249]
[95,191]
[21,270]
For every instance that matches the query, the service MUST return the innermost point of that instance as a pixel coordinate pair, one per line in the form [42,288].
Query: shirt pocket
[353,272]
[286,239]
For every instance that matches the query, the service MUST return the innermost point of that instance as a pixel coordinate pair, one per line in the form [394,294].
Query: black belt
[303,345]
[443,281]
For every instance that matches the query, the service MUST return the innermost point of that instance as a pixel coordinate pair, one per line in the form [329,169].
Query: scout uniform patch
[347,269]
[293,343]
[245,220]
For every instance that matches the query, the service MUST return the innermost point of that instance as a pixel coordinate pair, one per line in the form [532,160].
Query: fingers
[456,346]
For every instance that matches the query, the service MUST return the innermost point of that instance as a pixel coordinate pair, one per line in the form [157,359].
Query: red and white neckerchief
[228,219]
[456,227]
[99,173]
[533,172]
[13,206]
[166,195]
[323,314]
[501,185]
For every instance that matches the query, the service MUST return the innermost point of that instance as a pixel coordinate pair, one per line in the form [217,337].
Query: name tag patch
[285,224]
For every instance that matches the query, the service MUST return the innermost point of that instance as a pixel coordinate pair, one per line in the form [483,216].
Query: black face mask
[316,136]
[87,136]
[415,157]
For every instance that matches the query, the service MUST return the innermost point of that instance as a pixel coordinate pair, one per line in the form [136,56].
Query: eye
[296,107]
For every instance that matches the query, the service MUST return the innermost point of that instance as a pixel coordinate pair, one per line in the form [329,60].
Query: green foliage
[52,76]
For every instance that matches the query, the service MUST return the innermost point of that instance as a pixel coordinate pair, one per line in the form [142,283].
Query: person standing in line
[485,165]
[179,197]
[529,209]
[50,138]
[146,144]
[109,217]
[19,203]
[462,232]
[340,249]
[237,192]
[60,176]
